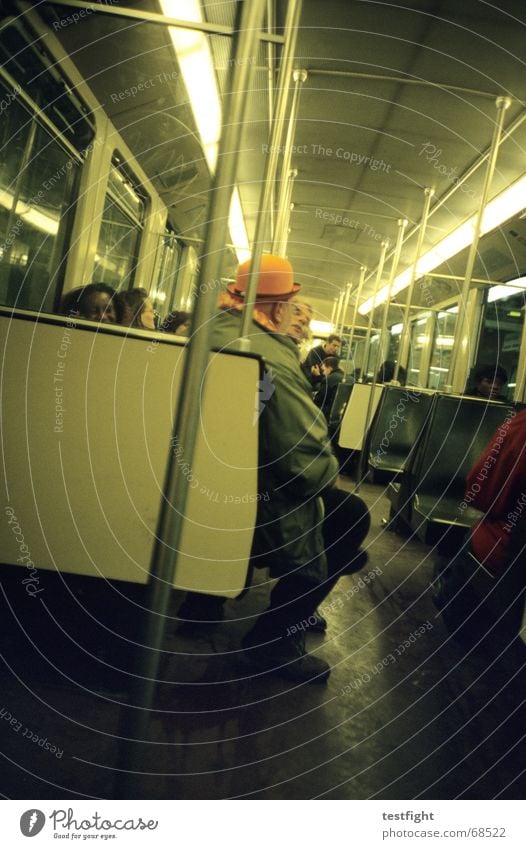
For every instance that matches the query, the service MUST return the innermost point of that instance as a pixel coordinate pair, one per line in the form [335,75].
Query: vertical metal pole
[136,716]
[402,224]
[271,59]
[338,311]
[282,239]
[287,59]
[363,272]
[333,314]
[285,190]
[379,272]
[459,367]
[345,307]
[404,341]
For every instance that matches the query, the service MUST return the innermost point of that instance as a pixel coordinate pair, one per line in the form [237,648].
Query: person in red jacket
[496,485]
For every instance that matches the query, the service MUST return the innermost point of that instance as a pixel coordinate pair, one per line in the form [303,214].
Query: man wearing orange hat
[296,466]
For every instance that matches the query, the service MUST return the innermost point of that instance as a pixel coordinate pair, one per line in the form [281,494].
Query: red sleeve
[500,473]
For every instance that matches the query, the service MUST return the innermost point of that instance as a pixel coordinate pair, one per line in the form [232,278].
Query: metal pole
[136,717]
[428,195]
[345,307]
[143,16]
[287,59]
[333,314]
[458,371]
[402,224]
[271,60]
[281,248]
[379,272]
[339,310]
[285,191]
[363,271]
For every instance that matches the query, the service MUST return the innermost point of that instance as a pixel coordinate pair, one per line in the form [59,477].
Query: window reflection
[38,179]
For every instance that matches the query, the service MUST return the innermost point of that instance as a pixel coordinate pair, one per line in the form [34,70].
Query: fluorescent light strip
[197,69]
[498,210]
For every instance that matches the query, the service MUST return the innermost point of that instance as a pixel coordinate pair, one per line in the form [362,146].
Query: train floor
[407,713]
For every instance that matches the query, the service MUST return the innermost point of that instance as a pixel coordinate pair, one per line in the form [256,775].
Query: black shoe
[287,658]
[200,612]
[319,626]
[359,560]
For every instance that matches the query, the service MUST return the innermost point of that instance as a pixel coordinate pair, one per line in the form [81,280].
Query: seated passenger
[177,322]
[386,373]
[311,366]
[496,486]
[95,302]
[332,377]
[296,468]
[488,381]
[137,309]
[299,327]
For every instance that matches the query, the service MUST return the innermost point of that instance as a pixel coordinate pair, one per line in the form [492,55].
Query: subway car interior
[155,145]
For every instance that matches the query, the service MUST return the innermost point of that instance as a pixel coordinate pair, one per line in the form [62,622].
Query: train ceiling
[399,96]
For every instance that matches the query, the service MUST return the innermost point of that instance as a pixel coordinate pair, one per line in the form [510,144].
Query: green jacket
[296,462]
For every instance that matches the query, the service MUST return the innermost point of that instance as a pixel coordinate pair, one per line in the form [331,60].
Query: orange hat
[274,281]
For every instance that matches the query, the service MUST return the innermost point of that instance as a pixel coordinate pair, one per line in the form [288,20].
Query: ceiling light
[197,69]
[500,209]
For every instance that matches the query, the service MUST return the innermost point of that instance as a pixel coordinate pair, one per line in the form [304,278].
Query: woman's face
[148,315]
[99,307]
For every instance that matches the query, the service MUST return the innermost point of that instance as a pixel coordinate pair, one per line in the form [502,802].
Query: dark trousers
[295,597]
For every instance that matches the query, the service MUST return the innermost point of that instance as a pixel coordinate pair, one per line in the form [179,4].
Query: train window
[25,60]
[419,343]
[121,229]
[443,340]
[163,292]
[502,326]
[38,179]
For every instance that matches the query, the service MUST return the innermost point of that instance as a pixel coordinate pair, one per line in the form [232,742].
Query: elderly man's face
[300,317]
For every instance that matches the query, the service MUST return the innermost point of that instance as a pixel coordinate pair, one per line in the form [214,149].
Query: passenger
[95,302]
[386,373]
[177,322]
[311,366]
[495,485]
[332,377]
[299,327]
[488,381]
[137,309]
[296,466]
